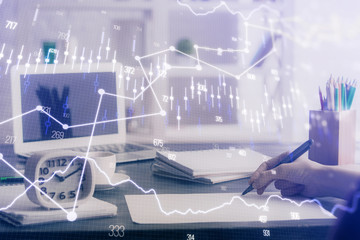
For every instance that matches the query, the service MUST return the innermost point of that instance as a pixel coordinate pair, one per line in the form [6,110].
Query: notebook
[208,166]
[24,212]
[69,95]
[221,207]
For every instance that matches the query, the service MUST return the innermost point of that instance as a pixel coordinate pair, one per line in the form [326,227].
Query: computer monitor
[71,98]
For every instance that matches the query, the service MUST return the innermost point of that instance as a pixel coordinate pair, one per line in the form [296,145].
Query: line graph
[150,83]
[32,184]
[173,49]
[352,209]
[87,152]
[188,211]
[72,214]
[168,67]
[226,6]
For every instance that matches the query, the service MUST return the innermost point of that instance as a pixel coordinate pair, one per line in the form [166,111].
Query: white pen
[328,97]
[332,99]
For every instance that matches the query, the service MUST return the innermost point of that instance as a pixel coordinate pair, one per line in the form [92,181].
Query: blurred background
[225,71]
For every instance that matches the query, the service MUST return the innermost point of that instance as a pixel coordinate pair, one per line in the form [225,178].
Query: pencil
[336,98]
[340,95]
[343,96]
[351,95]
[321,99]
[332,99]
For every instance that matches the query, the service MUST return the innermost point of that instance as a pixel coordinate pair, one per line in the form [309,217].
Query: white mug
[106,161]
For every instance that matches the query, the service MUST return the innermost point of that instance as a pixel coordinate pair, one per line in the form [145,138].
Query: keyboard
[124,152]
[114,148]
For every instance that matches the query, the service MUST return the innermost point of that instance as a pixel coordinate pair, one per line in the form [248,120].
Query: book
[24,212]
[208,166]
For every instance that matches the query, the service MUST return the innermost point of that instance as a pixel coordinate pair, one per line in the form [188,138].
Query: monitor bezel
[24,148]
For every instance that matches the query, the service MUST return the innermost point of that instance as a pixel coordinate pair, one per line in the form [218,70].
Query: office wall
[86,22]
[8,12]
[330,31]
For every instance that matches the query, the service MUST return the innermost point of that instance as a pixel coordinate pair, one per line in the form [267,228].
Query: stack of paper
[24,212]
[208,166]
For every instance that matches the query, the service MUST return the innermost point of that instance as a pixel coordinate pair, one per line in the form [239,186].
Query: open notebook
[24,212]
[208,166]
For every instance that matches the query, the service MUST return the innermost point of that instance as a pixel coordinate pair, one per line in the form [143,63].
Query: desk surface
[140,172]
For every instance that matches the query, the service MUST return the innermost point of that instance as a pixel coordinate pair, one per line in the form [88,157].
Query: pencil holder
[334,137]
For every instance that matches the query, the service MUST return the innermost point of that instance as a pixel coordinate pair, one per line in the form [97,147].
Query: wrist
[326,178]
[321,177]
[335,182]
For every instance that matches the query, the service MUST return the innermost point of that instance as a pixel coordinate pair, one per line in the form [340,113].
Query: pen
[331,91]
[325,104]
[351,95]
[289,158]
[347,86]
[343,96]
[328,96]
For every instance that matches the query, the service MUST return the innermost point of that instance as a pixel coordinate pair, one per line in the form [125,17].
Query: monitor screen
[72,99]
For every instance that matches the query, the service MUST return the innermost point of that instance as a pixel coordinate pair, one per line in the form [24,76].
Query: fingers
[256,174]
[266,177]
[261,190]
[282,184]
[293,190]
[288,188]
[269,164]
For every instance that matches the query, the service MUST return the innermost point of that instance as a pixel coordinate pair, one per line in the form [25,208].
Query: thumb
[266,177]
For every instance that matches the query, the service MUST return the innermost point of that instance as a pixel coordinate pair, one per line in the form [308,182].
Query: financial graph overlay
[180,84]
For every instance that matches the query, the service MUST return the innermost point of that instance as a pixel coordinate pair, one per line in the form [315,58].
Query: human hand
[302,176]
